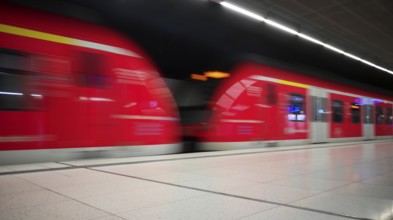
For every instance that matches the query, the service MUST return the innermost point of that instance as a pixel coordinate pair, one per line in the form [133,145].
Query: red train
[71,89]
[261,105]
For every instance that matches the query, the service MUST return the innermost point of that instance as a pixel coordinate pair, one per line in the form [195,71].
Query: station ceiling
[192,36]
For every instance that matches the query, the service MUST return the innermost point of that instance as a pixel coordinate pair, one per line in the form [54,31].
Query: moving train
[70,89]
[274,105]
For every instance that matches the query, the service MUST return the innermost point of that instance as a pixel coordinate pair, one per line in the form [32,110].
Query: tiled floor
[321,182]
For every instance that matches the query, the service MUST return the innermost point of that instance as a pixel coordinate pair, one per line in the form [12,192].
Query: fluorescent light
[352,56]
[315,41]
[335,49]
[281,27]
[257,17]
[368,63]
[292,31]
[242,11]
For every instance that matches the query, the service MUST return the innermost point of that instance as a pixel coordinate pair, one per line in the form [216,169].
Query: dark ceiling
[191,36]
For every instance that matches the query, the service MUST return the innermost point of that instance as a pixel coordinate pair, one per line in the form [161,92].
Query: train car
[266,105]
[70,89]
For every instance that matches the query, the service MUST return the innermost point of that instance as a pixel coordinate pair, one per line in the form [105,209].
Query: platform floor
[326,181]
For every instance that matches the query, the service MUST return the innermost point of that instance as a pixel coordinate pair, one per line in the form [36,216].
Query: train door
[383,118]
[368,119]
[95,99]
[269,113]
[21,116]
[319,123]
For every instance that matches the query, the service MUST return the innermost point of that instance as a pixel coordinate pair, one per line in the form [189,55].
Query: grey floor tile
[206,207]
[136,170]
[216,183]
[367,190]
[176,177]
[357,206]
[297,177]
[108,217]
[67,210]
[216,172]
[104,188]
[346,174]
[53,179]
[29,198]
[140,198]
[306,182]
[286,213]
[279,194]
[384,179]
[11,184]
[257,176]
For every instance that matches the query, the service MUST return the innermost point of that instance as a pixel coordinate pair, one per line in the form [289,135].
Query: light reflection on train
[266,105]
[71,89]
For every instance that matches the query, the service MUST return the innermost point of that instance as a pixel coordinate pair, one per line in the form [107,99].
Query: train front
[70,89]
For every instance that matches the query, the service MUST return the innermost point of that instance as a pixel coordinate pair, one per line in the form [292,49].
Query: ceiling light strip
[242,11]
[280,26]
[294,32]
[315,41]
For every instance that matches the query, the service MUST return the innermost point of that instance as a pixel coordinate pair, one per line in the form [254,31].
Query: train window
[389,116]
[355,112]
[271,94]
[296,108]
[338,111]
[57,67]
[11,94]
[368,114]
[11,80]
[379,116]
[11,61]
[319,109]
[91,70]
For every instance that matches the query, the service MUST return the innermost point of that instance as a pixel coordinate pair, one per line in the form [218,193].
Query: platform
[325,181]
